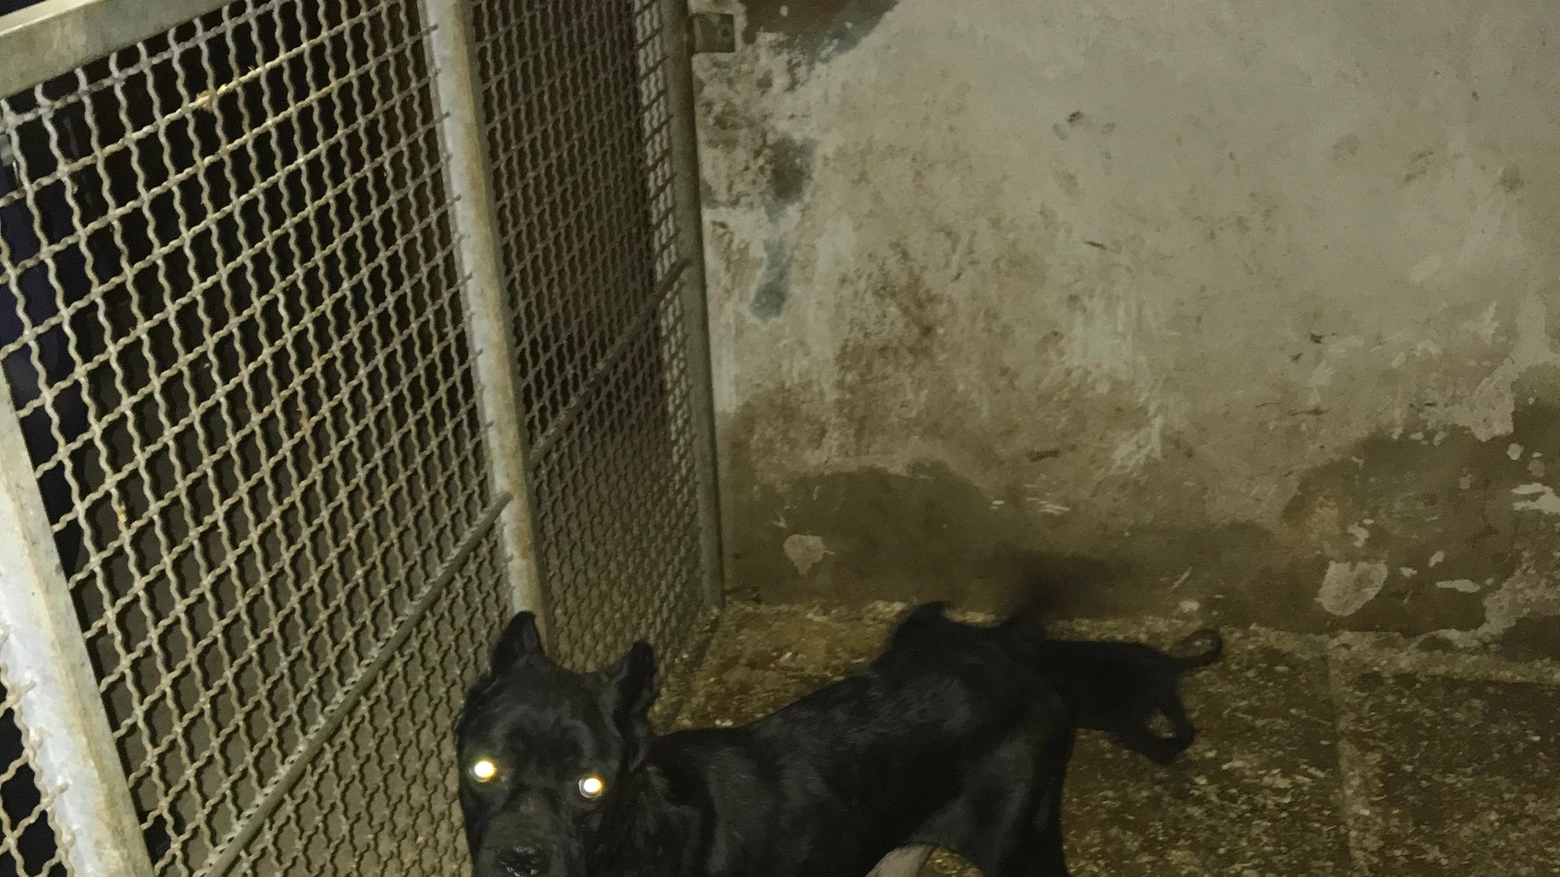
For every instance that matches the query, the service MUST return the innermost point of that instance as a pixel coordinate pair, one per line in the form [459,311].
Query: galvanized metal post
[466,177]
[696,327]
[58,705]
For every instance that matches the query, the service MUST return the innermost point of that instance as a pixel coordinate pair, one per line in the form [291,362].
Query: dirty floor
[1347,755]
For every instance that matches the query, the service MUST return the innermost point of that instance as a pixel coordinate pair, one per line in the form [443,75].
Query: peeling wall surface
[1248,311]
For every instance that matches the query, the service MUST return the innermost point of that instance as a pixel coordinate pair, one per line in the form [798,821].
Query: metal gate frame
[49,681]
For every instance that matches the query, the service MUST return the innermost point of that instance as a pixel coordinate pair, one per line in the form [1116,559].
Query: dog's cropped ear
[521,642]
[628,692]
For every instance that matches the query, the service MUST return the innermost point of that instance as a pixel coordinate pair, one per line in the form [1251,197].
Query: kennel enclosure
[333,333]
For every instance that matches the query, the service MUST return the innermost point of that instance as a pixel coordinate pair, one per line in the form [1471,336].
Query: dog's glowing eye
[592,787]
[484,770]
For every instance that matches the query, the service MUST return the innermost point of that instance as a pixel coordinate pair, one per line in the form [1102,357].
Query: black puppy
[953,737]
[1118,687]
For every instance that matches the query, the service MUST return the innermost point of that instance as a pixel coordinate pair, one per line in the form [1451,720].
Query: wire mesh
[380,798]
[28,845]
[578,119]
[240,362]
[235,344]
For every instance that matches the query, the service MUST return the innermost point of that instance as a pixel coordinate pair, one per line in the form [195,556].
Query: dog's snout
[524,862]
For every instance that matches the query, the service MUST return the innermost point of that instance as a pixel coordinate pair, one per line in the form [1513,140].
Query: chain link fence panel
[28,844]
[236,344]
[580,112]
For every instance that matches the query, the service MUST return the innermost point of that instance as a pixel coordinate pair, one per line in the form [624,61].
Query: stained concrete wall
[1244,310]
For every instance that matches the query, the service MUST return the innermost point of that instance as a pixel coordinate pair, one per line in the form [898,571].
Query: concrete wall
[1246,310]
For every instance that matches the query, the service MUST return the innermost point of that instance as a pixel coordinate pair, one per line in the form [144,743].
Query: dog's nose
[524,862]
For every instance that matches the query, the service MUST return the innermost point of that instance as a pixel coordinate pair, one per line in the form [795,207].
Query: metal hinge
[712,33]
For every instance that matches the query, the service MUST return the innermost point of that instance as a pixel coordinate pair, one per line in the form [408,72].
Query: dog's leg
[1175,711]
[903,862]
[1036,848]
[1160,750]
[1046,839]
[1008,821]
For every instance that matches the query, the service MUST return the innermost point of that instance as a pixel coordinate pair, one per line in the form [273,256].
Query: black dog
[1113,686]
[952,737]
[1118,687]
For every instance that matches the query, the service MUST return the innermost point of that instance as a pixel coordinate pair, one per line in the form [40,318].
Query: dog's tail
[1199,649]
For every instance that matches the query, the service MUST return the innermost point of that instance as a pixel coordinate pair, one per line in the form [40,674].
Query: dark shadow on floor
[1355,755]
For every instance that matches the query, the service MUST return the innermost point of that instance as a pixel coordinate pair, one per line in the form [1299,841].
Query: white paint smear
[1543,499]
[1360,533]
[1487,411]
[1136,450]
[1347,587]
[1529,592]
[804,551]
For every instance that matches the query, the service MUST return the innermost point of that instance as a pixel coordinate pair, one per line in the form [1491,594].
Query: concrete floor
[1345,755]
